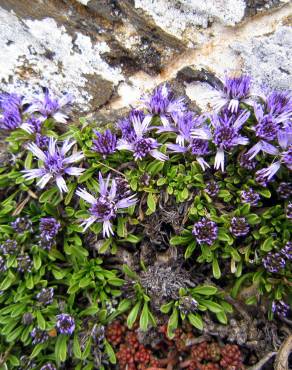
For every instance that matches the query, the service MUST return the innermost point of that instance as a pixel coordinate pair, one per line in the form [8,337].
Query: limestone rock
[108,53]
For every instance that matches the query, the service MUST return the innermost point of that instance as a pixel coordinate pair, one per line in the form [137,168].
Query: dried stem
[281,362]
[261,363]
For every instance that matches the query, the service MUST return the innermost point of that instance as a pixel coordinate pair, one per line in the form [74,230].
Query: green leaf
[189,251]
[172,323]
[9,279]
[212,306]
[48,195]
[144,317]
[151,202]
[221,316]
[196,320]
[132,317]
[181,240]
[205,290]
[129,272]
[216,269]
[253,219]
[40,320]
[110,352]
[61,348]
[265,193]
[124,305]
[267,245]
[76,347]
[165,308]
[37,349]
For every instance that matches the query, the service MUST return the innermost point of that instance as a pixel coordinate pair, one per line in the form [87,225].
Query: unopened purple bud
[239,226]
[48,366]
[246,163]
[287,157]
[280,308]
[9,247]
[285,190]
[42,141]
[22,224]
[105,143]
[250,196]
[287,251]
[49,228]
[289,211]
[24,263]
[274,262]
[261,179]
[46,296]
[39,336]
[65,323]
[27,318]
[2,264]
[212,189]
[205,231]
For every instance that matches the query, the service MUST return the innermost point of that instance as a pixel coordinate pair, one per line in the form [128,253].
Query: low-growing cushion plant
[169,217]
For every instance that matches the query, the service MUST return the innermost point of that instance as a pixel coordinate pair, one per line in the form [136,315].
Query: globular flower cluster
[250,196]
[205,231]
[39,336]
[65,324]
[49,228]
[274,262]
[280,308]
[45,296]
[22,224]
[239,226]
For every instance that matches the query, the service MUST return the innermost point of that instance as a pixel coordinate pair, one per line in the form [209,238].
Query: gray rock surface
[108,53]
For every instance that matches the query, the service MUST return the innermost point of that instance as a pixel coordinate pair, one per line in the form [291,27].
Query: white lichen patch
[175,17]
[40,53]
[268,59]
[83,2]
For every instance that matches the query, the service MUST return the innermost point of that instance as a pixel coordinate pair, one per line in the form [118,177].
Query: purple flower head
[141,146]
[225,133]
[126,125]
[280,308]
[267,128]
[289,211]
[188,305]
[185,124]
[46,296]
[48,366]
[205,231]
[42,141]
[163,103]
[10,101]
[9,247]
[239,226]
[274,262]
[250,196]
[54,164]
[279,104]
[22,224]
[65,324]
[286,251]
[105,207]
[49,228]
[24,263]
[285,190]
[284,153]
[105,143]
[212,189]
[235,90]
[39,336]
[11,119]
[50,106]
[3,267]
[33,125]
[246,162]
